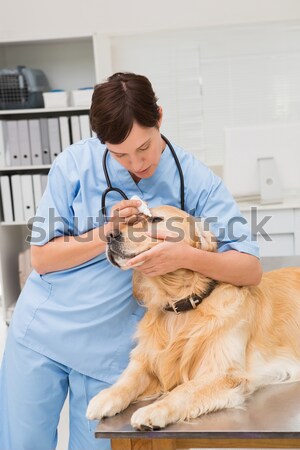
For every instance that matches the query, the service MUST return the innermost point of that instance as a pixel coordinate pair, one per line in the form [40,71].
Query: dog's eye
[155,219]
[135,219]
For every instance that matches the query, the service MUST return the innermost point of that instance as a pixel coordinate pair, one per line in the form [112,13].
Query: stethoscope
[110,188]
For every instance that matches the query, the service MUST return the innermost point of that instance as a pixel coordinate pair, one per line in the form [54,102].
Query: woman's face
[140,152]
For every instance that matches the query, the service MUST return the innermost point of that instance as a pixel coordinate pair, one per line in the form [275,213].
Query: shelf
[21,169]
[5,112]
[43,111]
[46,40]
[9,224]
[70,63]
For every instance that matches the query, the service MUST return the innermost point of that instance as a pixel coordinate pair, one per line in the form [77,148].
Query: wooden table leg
[164,444]
[143,444]
[121,444]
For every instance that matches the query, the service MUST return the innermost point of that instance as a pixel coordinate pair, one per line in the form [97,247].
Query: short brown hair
[124,98]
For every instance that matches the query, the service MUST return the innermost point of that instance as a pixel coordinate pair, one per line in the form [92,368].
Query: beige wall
[33,19]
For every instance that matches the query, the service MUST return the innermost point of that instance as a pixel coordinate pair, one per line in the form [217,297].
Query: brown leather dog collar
[190,302]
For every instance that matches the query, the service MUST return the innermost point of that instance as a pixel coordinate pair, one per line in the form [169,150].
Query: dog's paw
[151,417]
[105,404]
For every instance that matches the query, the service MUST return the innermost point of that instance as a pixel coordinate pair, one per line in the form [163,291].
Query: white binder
[45,141]
[3,143]
[17,197]
[6,198]
[64,132]
[44,182]
[75,128]
[24,142]
[54,138]
[13,143]
[85,129]
[28,199]
[37,188]
[35,142]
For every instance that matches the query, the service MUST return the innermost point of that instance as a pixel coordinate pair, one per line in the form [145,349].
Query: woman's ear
[206,240]
[160,113]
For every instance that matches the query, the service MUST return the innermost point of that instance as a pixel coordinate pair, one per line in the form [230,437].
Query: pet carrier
[22,88]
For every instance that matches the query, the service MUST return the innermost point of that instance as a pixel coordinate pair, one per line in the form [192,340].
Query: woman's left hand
[165,257]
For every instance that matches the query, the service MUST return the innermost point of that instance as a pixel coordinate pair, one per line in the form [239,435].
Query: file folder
[35,142]
[6,198]
[37,188]
[64,132]
[17,197]
[28,199]
[45,141]
[85,129]
[54,138]
[13,143]
[75,128]
[3,144]
[44,182]
[24,142]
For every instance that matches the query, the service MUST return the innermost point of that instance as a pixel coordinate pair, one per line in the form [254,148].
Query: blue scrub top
[85,317]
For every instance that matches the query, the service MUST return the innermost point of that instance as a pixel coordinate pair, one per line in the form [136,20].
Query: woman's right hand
[121,212]
[65,252]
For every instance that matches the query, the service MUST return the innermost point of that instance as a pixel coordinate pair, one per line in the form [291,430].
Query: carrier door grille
[13,89]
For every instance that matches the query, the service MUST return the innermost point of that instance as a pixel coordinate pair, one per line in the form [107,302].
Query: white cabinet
[69,63]
[277,227]
[22,202]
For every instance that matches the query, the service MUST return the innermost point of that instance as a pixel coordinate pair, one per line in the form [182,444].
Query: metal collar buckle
[175,308]
[192,302]
[175,305]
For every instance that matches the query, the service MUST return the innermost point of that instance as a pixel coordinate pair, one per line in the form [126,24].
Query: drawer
[280,245]
[280,221]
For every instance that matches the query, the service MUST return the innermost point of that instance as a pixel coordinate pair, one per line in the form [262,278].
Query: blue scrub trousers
[33,389]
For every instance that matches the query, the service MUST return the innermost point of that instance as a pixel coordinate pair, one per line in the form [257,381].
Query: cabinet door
[278,221]
[13,239]
[278,238]
[297,232]
[279,245]
[102,57]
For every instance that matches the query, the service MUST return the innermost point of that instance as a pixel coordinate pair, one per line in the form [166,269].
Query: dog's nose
[114,235]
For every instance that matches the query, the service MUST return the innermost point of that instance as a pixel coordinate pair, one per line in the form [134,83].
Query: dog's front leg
[190,400]
[133,382]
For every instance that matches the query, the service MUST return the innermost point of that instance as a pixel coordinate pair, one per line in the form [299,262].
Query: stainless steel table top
[272,412]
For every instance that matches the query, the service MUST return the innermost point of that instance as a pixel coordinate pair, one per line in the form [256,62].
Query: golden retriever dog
[230,342]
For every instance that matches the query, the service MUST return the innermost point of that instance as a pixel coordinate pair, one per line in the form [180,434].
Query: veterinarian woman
[73,324]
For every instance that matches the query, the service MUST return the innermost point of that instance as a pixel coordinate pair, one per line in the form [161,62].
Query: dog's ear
[205,240]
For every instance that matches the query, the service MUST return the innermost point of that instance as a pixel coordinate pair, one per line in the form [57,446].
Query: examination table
[270,419]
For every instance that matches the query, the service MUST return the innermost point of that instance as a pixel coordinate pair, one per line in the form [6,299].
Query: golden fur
[237,340]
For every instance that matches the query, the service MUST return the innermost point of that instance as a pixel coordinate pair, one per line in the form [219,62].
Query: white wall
[59,18]
[215,78]
[248,54]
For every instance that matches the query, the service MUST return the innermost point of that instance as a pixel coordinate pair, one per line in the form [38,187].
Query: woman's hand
[121,212]
[165,257]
